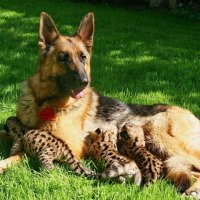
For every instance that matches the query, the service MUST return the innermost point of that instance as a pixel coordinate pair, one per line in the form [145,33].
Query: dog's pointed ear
[48,32]
[86,31]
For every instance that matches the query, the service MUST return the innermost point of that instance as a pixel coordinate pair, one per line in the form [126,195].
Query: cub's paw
[92,173]
[137,178]
[89,173]
[193,194]
[121,179]
[134,176]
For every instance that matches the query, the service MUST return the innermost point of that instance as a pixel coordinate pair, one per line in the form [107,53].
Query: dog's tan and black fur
[172,133]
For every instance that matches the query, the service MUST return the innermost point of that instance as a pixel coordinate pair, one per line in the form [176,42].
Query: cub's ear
[48,32]
[86,31]
[124,135]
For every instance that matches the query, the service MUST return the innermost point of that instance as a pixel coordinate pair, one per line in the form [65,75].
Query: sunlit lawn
[139,57]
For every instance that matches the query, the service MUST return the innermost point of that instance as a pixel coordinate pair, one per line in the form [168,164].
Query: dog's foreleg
[8,162]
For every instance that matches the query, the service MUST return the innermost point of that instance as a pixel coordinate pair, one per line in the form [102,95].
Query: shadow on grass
[135,53]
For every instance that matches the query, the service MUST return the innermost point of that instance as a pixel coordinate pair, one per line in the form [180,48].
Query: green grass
[139,57]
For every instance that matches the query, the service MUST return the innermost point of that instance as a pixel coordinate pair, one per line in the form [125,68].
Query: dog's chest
[68,126]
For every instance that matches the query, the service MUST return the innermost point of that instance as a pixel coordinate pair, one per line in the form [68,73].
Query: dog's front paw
[3,166]
[2,170]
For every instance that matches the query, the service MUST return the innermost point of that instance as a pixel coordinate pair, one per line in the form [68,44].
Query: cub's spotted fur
[117,166]
[42,145]
[134,148]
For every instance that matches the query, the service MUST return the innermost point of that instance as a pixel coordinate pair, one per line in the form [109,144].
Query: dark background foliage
[182,8]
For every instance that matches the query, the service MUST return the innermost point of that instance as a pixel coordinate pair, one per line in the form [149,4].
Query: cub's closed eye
[63,57]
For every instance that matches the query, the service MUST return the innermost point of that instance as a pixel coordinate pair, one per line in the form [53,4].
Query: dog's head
[65,60]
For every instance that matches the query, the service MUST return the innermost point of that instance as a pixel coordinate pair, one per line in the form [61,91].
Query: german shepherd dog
[58,97]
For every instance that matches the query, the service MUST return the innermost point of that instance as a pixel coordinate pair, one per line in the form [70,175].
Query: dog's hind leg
[178,170]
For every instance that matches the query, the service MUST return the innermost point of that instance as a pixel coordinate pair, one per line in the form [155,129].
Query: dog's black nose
[81,77]
[84,81]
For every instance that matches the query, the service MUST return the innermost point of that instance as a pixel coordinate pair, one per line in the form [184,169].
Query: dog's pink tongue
[78,95]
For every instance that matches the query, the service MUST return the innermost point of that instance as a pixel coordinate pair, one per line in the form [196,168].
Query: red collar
[47,114]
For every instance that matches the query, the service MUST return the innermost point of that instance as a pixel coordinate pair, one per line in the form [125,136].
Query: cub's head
[14,128]
[131,134]
[65,60]
[107,133]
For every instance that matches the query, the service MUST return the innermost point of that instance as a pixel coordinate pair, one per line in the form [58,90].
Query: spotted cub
[134,148]
[42,145]
[117,166]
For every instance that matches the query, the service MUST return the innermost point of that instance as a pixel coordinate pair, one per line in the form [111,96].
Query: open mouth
[77,94]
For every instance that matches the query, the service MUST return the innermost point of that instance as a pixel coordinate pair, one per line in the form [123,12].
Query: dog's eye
[83,57]
[63,57]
